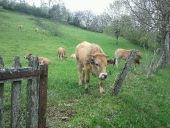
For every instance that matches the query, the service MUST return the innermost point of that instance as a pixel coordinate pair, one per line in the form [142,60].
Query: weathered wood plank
[9,74]
[1,95]
[16,98]
[43,96]
[118,83]
[32,98]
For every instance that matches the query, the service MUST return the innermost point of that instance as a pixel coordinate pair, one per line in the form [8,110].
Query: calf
[41,60]
[121,53]
[20,26]
[62,53]
[91,58]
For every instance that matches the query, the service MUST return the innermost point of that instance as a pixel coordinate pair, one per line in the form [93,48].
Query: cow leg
[116,62]
[62,57]
[86,80]
[58,55]
[81,74]
[101,88]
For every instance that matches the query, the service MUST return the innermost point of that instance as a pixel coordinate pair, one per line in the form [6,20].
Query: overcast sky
[96,6]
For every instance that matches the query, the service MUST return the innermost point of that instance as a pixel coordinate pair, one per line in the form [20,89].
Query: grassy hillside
[142,103]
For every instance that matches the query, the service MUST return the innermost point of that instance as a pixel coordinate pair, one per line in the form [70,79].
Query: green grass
[141,103]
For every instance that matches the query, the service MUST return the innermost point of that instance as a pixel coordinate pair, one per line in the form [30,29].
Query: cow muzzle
[103,76]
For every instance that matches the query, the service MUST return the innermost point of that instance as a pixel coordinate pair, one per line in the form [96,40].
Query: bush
[134,33]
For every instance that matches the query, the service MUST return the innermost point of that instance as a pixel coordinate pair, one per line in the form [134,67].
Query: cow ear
[30,54]
[109,61]
[91,55]
[92,61]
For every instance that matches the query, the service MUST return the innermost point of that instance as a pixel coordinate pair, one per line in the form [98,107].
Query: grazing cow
[36,29]
[73,56]
[91,58]
[61,53]
[121,53]
[41,60]
[20,26]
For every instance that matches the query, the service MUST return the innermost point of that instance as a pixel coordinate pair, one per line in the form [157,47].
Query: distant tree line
[56,10]
[143,22]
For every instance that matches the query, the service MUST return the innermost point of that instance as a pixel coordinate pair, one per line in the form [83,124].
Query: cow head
[65,57]
[138,57]
[28,57]
[98,63]
[111,61]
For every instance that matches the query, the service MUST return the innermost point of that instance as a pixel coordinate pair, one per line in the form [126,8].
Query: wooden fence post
[16,98]
[151,68]
[122,75]
[1,94]
[43,95]
[32,97]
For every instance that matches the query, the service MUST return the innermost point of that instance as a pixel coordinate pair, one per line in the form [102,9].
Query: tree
[58,12]
[87,18]
[77,18]
[116,10]
[155,16]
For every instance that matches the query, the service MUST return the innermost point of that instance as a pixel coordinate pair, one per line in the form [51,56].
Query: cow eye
[96,64]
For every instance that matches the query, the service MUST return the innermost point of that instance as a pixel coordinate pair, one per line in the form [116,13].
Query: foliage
[59,13]
[131,31]
[25,8]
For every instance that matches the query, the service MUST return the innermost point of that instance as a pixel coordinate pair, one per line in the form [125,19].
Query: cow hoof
[86,91]
[102,94]
[86,94]
[80,83]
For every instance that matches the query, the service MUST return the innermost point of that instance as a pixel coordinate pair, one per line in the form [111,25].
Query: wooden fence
[37,76]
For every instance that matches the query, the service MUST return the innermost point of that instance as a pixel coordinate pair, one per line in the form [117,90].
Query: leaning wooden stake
[1,94]
[117,85]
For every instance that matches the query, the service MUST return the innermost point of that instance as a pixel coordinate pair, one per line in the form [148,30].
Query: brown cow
[91,58]
[121,53]
[61,53]
[41,60]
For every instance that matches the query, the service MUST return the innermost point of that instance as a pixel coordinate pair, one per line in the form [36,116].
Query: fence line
[37,77]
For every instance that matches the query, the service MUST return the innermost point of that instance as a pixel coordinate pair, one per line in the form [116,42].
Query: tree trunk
[165,57]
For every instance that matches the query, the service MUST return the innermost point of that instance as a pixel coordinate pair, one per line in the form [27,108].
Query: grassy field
[141,103]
